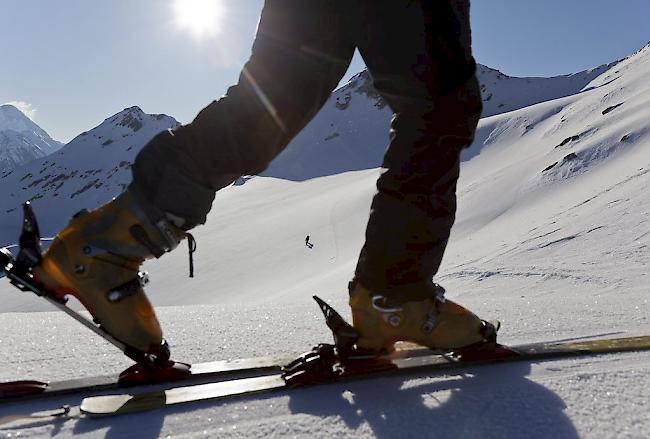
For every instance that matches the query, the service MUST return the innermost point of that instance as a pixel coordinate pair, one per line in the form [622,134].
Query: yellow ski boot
[434,322]
[96,258]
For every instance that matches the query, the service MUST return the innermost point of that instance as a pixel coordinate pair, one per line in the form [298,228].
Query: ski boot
[434,322]
[96,258]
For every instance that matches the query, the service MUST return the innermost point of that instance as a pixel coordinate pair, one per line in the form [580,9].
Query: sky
[70,64]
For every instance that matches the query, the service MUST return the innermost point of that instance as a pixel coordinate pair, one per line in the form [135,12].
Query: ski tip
[105,405]
[14,389]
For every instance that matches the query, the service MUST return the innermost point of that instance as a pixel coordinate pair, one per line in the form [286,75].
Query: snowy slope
[21,140]
[551,237]
[510,209]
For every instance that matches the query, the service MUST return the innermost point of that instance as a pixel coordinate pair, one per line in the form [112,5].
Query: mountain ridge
[88,171]
[21,139]
[349,134]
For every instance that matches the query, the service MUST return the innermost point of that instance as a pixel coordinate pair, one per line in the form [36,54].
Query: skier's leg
[301,51]
[421,63]
[299,55]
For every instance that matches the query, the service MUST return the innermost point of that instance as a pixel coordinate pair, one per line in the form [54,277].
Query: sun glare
[199,17]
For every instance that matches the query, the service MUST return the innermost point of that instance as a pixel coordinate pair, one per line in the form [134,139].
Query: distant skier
[307,243]
[418,53]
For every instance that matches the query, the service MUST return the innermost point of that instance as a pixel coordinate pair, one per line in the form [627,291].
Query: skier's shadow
[495,401]
[125,426]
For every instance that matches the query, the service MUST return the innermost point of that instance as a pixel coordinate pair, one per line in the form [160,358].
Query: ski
[110,405]
[198,372]
[400,363]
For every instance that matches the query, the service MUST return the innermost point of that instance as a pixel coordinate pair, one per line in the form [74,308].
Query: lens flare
[201,18]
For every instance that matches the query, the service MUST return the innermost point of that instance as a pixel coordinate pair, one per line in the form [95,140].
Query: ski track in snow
[551,237]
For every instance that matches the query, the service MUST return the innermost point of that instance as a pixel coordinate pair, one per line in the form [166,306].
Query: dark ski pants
[418,53]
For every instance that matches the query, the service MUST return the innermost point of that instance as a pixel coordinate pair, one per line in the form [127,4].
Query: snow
[555,252]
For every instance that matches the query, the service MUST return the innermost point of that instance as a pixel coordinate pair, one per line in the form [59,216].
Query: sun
[199,17]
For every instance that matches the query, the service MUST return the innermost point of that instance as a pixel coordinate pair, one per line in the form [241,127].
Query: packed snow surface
[552,237]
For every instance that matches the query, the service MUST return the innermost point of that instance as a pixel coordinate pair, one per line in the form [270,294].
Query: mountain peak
[8,108]
[21,140]
[133,118]
[11,118]
[130,117]
[133,111]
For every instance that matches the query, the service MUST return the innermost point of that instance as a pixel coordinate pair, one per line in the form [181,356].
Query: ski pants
[418,53]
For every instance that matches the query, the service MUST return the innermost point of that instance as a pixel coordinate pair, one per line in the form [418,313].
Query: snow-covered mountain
[91,169]
[21,140]
[551,237]
[520,155]
[351,131]
[546,193]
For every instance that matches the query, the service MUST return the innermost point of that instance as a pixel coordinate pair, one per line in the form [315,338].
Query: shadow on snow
[493,401]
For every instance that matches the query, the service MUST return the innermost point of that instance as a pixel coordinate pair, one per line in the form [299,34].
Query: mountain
[540,183]
[351,131]
[21,140]
[551,238]
[557,191]
[552,204]
[91,169]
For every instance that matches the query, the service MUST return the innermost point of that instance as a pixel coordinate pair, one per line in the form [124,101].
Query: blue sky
[73,63]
